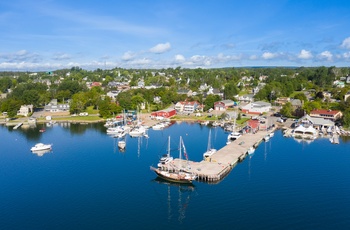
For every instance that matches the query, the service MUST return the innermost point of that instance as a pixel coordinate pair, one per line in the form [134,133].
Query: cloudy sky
[56,34]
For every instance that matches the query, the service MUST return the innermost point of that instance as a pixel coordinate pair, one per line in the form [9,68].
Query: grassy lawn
[91,110]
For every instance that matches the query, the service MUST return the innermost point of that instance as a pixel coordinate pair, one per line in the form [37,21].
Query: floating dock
[18,125]
[216,167]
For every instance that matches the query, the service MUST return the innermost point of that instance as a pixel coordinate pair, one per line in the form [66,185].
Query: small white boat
[210,151]
[267,138]
[121,144]
[234,136]
[40,147]
[159,126]
[251,150]
[137,131]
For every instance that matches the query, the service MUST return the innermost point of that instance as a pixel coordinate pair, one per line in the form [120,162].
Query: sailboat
[210,151]
[166,158]
[176,174]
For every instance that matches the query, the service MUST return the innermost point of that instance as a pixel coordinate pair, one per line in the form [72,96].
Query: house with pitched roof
[258,107]
[332,115]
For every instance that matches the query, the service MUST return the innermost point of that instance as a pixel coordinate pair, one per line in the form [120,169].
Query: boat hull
[172,177]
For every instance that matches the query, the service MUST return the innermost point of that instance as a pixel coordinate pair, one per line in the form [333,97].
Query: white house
[186,106]
[25,110]
[246,98]
[258,107]
[53,106]
[113,94]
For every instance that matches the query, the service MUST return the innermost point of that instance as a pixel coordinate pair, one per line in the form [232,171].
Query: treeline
[70,84]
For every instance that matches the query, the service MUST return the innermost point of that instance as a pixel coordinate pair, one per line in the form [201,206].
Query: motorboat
[158,126]
[121,144]
[137,131]
[234,136]
[117,130]
[251,150]
[40,147]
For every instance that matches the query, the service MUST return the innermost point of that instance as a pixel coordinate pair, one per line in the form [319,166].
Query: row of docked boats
[161,125]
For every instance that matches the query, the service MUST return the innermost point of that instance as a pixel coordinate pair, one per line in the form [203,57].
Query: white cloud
[20,56]
[346,55]
[346,43]
[127,56]
[269,55]
[326,55]
[143,61]
[253,57]
[161,48]
[179,58]
[61,56]
[304,54]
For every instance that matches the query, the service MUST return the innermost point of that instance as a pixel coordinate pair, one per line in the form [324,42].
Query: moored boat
[176,174]
[210,151]
[41,146]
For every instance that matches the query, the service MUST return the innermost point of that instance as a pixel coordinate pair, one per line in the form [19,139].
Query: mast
[169,146]
[208,148]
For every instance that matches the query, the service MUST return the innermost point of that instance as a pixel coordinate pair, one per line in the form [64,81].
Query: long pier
[216,167]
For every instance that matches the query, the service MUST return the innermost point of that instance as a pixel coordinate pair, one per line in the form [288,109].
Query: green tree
[309,106]
[301,97]
[209,101]
[287,109]
[11,106]
[31,97]
[78,103]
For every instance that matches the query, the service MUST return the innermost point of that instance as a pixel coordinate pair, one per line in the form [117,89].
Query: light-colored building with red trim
[332,115]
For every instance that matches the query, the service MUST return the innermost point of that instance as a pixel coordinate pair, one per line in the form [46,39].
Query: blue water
[86,183]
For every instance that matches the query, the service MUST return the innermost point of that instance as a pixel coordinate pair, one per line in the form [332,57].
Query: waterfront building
[332,115]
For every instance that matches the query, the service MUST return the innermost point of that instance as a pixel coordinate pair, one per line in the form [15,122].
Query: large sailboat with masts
[175,173]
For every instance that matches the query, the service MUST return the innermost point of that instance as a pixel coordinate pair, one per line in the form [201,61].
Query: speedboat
[41,146]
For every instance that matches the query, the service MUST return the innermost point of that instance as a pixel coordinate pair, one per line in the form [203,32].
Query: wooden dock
[220,163]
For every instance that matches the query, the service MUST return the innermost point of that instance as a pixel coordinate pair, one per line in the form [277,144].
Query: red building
[166,113]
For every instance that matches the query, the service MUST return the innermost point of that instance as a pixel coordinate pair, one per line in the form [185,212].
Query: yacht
[234,136]
[40,147]
[138,131]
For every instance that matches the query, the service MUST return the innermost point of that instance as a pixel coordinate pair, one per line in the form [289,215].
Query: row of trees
[281,82]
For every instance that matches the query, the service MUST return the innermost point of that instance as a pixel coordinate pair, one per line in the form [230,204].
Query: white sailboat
[210,151]
[166,158]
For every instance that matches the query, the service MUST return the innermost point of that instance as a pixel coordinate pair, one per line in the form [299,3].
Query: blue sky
[52,34]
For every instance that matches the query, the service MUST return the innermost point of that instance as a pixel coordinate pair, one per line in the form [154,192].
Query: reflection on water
[177,197]
[40,153]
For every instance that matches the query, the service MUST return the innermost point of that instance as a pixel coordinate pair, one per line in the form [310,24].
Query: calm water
[86,183]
